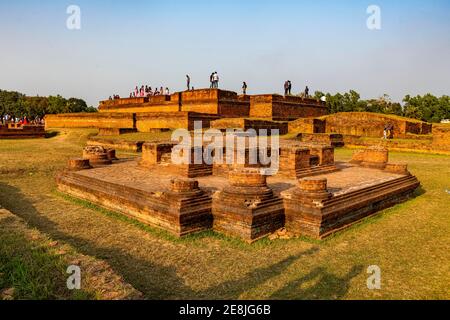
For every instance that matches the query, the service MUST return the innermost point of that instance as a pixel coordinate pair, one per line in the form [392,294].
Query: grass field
[410,242]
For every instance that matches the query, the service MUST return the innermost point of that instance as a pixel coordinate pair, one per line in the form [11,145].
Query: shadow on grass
[156,281]
[51,134]
[327,286]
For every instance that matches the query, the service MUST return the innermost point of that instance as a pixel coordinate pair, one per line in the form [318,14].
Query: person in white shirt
[216,80]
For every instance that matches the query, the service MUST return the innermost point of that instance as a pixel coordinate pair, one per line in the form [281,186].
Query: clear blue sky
[324,44]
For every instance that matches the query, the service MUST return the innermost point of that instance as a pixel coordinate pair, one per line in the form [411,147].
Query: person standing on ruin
[188,82]
[306,92]
[211,81]
[167,92]
[286,88]
[244,88]
[390,131]
[289,87]
[216,80]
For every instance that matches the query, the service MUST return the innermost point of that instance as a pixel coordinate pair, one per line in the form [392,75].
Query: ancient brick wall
[21,132]
[370,124]
[333,139]
[307,125]
[215,101]
[90,120]
[441,137]
[287,108]
[146,122]
[246,124]
[427,128]
[122,101]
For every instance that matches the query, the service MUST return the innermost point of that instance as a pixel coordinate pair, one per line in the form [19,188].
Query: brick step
[313,171]
[378,191]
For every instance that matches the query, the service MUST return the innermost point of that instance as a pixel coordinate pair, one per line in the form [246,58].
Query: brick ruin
[441,137]
[311,194]
[15,131]
[363,124]
[305,118]
[181,109]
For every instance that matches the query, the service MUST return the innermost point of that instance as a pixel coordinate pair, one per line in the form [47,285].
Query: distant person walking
[244,88]
[289,87]
[286,88]
[188,82]
[306,92]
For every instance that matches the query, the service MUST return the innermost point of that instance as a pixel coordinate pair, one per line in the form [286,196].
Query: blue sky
[324,44]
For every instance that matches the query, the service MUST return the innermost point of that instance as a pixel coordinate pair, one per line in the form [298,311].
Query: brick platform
[242,203]
[247,207]
[12,131]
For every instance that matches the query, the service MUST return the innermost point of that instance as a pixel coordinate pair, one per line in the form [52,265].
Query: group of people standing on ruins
[287,87]
[146,91]
[21,121]
[213,81]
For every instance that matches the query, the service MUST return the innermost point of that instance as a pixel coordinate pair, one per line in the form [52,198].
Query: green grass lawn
[409,242]
[31,269]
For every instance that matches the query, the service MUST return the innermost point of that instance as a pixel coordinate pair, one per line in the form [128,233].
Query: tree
[11,103]
[75,105]
[56,104]
[427,108]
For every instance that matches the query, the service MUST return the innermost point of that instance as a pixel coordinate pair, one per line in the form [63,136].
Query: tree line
[427,108]
[18,105]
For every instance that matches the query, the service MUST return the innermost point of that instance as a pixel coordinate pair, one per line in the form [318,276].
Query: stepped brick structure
[181,109]
[285,108]
[314,210]
[146,122]
[372,124]
[247,208]
[310,195]
[209,101]
[348,127]
[244,124]
[14,131]
[159,155]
